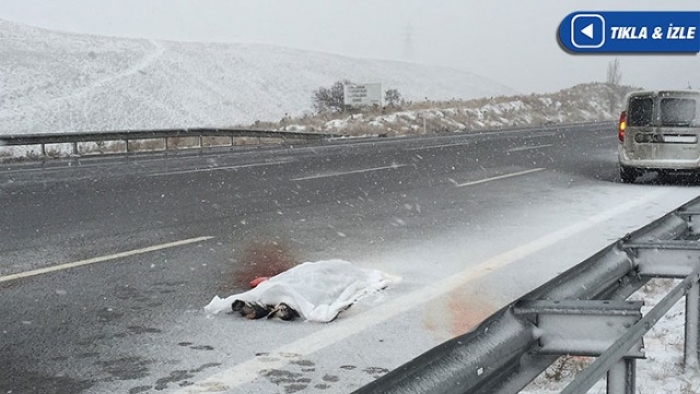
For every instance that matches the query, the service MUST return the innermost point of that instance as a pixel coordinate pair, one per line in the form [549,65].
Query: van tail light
[622,126]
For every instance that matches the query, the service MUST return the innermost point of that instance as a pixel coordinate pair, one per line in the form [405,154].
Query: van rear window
[678,111]
[640,111]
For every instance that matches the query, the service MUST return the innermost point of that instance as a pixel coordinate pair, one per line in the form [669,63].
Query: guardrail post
[692,324]
[621,377]
[43,150]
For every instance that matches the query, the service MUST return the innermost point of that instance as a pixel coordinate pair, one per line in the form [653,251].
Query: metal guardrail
[167,135]
[169,138]
[581,312]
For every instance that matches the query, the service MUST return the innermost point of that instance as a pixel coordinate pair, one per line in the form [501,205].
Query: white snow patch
[336,124]
[295,128]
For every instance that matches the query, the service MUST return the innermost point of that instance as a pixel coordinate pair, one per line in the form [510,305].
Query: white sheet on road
[318,291]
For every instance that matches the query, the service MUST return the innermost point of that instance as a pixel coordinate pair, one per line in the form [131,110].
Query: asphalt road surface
[107,262]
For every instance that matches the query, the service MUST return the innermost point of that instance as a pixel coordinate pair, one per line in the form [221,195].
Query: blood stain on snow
[456,313]
[259,259]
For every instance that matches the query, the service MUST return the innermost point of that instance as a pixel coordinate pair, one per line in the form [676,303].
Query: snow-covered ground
[581,103]
[57,82]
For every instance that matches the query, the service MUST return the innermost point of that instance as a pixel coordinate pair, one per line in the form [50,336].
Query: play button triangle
[588,31]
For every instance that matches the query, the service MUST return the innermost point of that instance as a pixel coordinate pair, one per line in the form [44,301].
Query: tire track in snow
[145,62]
[141,65]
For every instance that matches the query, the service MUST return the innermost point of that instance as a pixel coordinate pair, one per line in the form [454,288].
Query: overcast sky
[512,42]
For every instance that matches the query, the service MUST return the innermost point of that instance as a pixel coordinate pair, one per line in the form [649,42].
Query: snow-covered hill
[58,82]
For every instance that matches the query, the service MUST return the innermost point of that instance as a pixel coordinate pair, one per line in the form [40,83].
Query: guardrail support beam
[692,216]
[674,260]
[692,325]
[621,377]
[586,379]
[581,327]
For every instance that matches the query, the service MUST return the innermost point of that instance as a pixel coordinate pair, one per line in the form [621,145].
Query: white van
[658,131]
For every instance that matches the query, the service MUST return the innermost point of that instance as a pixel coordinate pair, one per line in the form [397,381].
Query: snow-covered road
[464,220]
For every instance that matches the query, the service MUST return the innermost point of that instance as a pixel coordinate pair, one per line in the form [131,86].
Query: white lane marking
[523,148]
[209,169]
[495,178]
[61,267]
[394,166]
[438,146]
[47,169]
[340,330]
[139,165]
[540,135]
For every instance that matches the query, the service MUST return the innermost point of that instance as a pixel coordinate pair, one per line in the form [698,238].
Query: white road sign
[363,94]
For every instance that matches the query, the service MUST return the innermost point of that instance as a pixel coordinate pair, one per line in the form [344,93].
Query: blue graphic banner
[631,32]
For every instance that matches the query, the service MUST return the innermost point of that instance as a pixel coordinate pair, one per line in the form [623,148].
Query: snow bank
[580,103]
[318,291]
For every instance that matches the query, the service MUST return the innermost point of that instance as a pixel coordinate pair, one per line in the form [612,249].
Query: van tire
[628,175]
